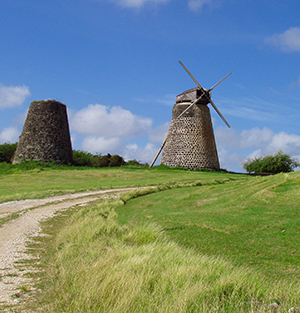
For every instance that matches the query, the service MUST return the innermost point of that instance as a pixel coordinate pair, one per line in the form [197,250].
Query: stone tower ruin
[190,142]
[45,136]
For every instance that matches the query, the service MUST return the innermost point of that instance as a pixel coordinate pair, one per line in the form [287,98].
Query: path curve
[15,233]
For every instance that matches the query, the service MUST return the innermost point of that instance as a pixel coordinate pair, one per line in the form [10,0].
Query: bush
[108,161]
[135,163]
[278,163]
[101,161]
[7,151]
[116,160]
[2,157]
[82,158]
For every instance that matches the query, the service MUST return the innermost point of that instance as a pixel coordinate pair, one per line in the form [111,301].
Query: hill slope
[210,242]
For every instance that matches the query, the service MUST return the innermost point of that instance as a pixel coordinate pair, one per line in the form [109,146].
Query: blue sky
[114,63]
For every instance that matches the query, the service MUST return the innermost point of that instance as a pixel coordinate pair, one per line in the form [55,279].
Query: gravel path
[15,233]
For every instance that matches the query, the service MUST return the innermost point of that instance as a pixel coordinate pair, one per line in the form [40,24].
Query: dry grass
[92,264]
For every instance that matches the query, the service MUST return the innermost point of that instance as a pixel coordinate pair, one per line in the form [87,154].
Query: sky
[114,64]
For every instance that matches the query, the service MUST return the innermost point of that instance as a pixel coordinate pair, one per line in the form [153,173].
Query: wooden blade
[193,78]
[222,117]
[210,89]
[159,151]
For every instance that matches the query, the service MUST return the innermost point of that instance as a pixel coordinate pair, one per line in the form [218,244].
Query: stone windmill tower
[45,136]
[190,142]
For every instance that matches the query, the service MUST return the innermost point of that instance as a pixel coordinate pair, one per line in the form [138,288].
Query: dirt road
[15,233]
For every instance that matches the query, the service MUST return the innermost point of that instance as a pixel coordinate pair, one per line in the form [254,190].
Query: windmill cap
[191,95]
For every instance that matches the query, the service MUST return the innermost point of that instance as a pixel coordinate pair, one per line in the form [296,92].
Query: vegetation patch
[254,222]
[190,242]
[48,179]
[274,164]
[91,263]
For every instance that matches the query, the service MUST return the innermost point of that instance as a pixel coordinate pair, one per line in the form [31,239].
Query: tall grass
[93,264]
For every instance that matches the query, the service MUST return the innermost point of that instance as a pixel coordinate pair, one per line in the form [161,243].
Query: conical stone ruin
[190,141]
[46,135]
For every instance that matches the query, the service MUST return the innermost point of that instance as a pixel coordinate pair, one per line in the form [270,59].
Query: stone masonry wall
[190,140]
[45,136]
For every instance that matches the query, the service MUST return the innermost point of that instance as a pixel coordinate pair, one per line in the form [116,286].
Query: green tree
[116,160]
[82,158]
[101,161]
[7,151]
[278,163]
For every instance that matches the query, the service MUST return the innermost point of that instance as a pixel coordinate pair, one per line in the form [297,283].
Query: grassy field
[42,182]
[199,242]
[255,222]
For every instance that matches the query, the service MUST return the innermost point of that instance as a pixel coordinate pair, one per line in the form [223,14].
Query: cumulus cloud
[9,134]
[107,130]
[102,145]
[12,96]
[288,41]
[143,154]
[137,3]
[235,147]
[117,146]
[102,121]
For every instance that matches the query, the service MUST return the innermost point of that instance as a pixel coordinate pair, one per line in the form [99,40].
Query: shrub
[82,158]
[2,157]
[7,151]
[116,160]
[278,163]
[135,163]
[101,161]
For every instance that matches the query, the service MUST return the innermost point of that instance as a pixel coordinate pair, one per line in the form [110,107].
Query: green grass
[91,263]
[20,183]
[254,222]
[198,242]
[8,218]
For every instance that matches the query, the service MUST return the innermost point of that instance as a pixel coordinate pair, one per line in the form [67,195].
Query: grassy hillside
[199,242]
[254,222]
[18,184]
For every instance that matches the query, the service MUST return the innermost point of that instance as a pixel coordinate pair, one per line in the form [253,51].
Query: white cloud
[234,147]
[256,137]
[137,3]
[12,96]
[106,130]
[289,143]
[159,133]
[102,145]
[288,41]
[117,146]
[142,154]
[9,134]
[101,121]
[230,161]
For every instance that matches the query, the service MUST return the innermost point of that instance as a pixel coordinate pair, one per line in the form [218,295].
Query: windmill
[190,142]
